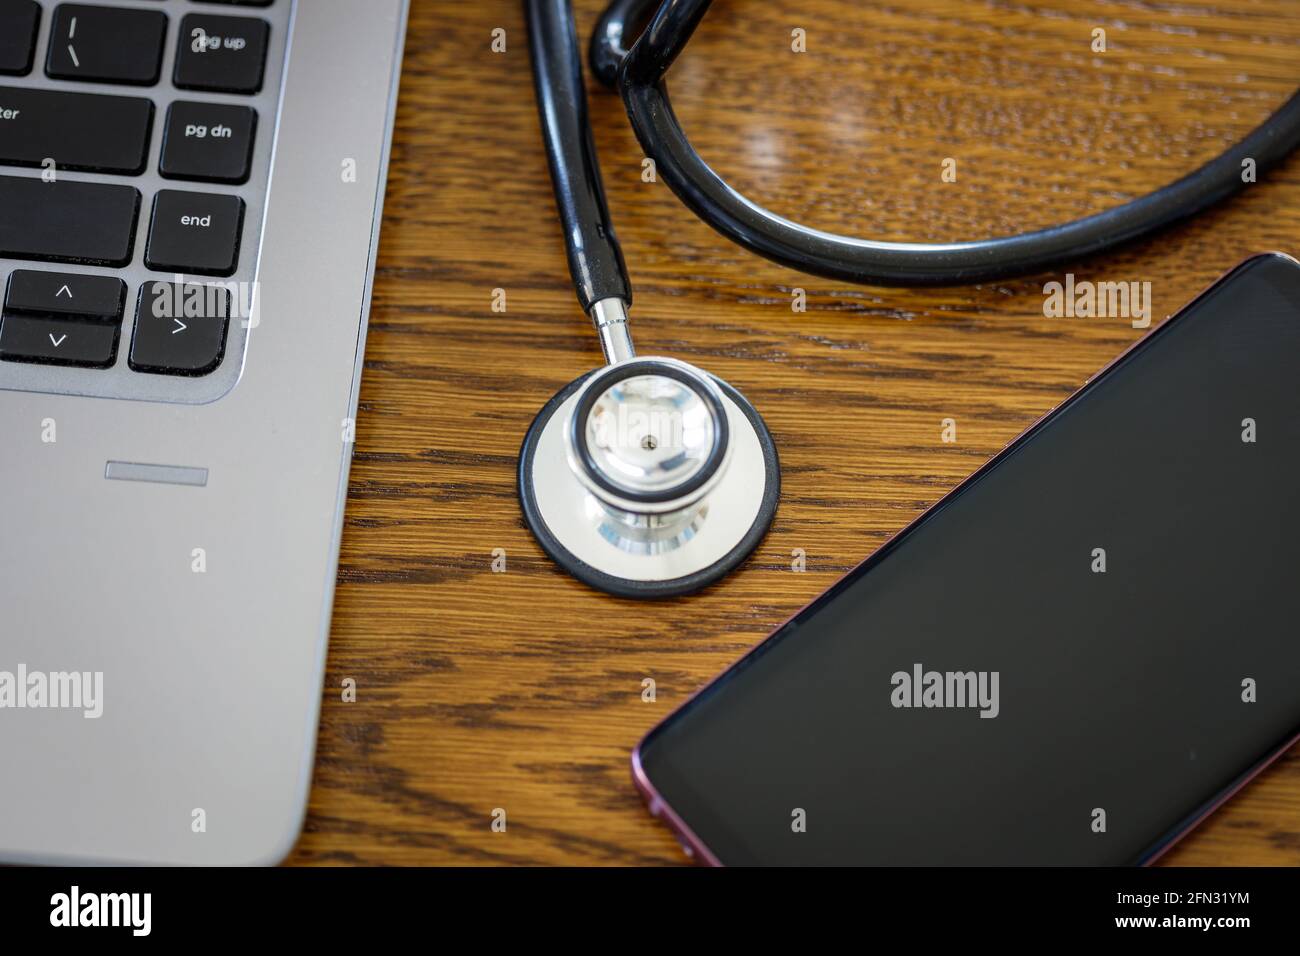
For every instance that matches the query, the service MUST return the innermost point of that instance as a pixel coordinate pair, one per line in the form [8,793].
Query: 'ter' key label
[78,131]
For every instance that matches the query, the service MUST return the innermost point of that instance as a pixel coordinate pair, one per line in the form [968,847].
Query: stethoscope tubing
[639,74]
[595,257]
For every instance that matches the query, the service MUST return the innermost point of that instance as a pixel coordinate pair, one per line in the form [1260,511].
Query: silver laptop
[190,197]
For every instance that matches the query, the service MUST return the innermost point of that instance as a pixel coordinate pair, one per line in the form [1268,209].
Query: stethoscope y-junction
[650,477]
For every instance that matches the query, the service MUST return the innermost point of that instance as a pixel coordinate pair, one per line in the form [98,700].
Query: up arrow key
[64,293]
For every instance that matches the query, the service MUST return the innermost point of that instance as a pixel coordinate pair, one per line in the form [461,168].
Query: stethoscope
[650,477]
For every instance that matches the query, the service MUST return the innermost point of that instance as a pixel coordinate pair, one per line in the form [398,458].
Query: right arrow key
[180,329]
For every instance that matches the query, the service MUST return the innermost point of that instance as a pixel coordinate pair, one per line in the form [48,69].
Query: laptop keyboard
[135,147]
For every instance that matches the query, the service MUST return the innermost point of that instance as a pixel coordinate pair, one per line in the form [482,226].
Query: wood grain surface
[522,690]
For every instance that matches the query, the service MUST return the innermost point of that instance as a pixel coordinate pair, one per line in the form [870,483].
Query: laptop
[190,197]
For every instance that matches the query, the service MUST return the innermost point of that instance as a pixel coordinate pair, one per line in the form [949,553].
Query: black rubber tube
[640,78]
[595,258]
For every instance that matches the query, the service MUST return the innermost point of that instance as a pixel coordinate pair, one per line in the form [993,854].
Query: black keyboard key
[195,232]
[180,329]
[26,338]
[61,319]
[86,131]
[65,221]
[109,44]
[18,22]
[222,54]
[62,293]
[209,142]
[239,3]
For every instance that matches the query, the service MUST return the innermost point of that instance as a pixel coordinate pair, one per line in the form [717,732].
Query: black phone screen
[1066,661]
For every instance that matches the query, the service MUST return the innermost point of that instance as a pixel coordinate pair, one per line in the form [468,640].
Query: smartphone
[1072,658]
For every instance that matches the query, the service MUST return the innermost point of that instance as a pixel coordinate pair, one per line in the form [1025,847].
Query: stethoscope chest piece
[648,478]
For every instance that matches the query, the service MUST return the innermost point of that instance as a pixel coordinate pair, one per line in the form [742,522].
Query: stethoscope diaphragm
[648,478]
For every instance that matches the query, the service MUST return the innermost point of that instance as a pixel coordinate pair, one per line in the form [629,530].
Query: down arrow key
[52,341]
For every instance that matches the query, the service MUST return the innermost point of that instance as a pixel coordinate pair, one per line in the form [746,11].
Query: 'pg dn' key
[209,142]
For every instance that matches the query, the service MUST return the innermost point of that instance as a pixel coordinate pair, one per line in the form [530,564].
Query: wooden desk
[522,690]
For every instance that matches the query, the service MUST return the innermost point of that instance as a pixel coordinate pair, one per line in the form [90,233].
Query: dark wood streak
[523,690]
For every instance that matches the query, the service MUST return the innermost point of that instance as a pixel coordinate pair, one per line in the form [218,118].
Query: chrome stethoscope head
[649,477]
[649,436]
